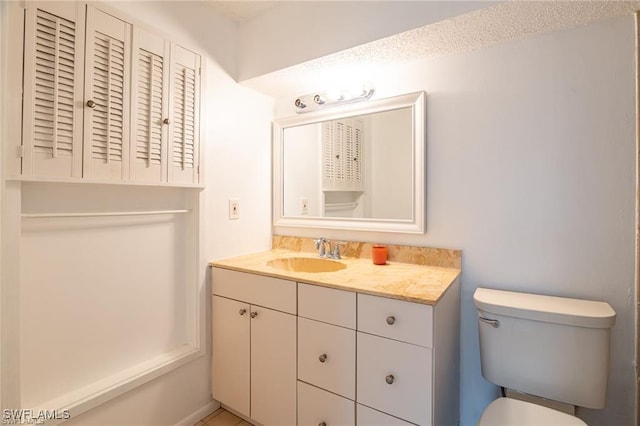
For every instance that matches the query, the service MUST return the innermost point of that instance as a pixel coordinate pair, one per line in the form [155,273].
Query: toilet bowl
[510,411]
[542,345]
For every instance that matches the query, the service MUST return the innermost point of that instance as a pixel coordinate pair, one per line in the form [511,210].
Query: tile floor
[220,417]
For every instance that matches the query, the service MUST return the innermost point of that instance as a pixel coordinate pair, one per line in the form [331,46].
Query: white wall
[311,29]
[531,172]
[302,169]
[236,154]
[391,152]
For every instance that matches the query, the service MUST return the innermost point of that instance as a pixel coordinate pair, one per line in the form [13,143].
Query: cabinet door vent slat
[184,117]
[149,114]
[54,62]
[108,93]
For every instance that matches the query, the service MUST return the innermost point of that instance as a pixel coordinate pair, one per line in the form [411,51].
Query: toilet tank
[553,347]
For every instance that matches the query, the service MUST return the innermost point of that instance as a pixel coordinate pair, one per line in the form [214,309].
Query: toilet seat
[509,411]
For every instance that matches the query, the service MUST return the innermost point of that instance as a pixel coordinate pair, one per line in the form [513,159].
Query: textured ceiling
[474,30]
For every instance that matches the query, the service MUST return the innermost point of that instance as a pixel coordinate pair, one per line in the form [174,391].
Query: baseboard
[199,414]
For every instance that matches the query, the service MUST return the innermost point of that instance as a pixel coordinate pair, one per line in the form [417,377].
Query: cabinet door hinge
[20,151]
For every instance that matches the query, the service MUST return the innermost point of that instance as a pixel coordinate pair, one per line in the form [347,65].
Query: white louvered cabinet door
[184,127]
[342,151]
[149,107]
[52,108]
[107,91]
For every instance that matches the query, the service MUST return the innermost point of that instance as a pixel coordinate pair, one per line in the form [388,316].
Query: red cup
[379,255]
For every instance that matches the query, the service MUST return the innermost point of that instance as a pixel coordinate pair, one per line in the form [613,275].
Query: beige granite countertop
[406,281]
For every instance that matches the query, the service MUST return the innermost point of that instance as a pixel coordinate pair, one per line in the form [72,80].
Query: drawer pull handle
[322,424]
[389,379]
[242,311]
[91,104]
[391,320]
[322,357]
[253,314]
[166,121]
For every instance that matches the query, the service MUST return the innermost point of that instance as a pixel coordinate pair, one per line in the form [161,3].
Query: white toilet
[548,347]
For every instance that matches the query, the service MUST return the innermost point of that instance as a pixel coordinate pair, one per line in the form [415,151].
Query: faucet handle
[320,245]
[336,249]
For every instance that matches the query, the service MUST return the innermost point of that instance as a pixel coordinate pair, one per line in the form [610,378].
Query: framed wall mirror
[357,167]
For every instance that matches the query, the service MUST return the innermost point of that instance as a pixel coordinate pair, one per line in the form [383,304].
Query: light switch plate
[234,209]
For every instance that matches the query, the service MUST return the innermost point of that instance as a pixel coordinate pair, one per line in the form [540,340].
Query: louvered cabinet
[107,92]
[52,107]
[105,100]
[342,155]
[150,107]
[184,143]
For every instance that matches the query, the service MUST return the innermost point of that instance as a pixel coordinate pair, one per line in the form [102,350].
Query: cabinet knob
[242,311]
[322,357]
[91,104]
[253,314]
[391,320]
[166,121]
[389,379]
[322,424]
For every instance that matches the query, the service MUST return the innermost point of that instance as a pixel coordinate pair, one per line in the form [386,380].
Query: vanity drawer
[369,417]
[268,292]
[329,305]
[327,356]
[395,377]
[396,319]
[316,406]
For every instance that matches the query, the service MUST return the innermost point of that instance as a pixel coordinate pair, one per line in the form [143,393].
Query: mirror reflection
[352,167]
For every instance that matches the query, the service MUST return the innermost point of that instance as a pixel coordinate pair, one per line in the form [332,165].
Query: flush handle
[492,322]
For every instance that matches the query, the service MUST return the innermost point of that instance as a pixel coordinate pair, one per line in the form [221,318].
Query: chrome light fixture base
[327,99]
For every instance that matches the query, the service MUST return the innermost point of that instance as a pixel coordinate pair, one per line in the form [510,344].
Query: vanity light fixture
[328,99]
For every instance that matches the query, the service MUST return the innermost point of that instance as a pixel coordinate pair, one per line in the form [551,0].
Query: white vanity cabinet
[407,363]
[354,359]
[326,356]
[254,346]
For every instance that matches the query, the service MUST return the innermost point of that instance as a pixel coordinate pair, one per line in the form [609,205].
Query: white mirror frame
[416,224]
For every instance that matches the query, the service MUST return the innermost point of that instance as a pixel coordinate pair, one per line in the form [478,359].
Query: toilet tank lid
[537,307]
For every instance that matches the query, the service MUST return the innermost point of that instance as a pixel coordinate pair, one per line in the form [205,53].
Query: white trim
[415,225]
[101,214]
[199,414]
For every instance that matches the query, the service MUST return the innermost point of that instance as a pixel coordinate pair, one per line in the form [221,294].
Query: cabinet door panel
[395,377]
[336,370]
[149,107]
[273,367]
[52,108]
[184,135]
[316,406]
[107,87]
[230,358]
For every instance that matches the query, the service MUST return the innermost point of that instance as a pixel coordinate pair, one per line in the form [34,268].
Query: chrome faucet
[321,245]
